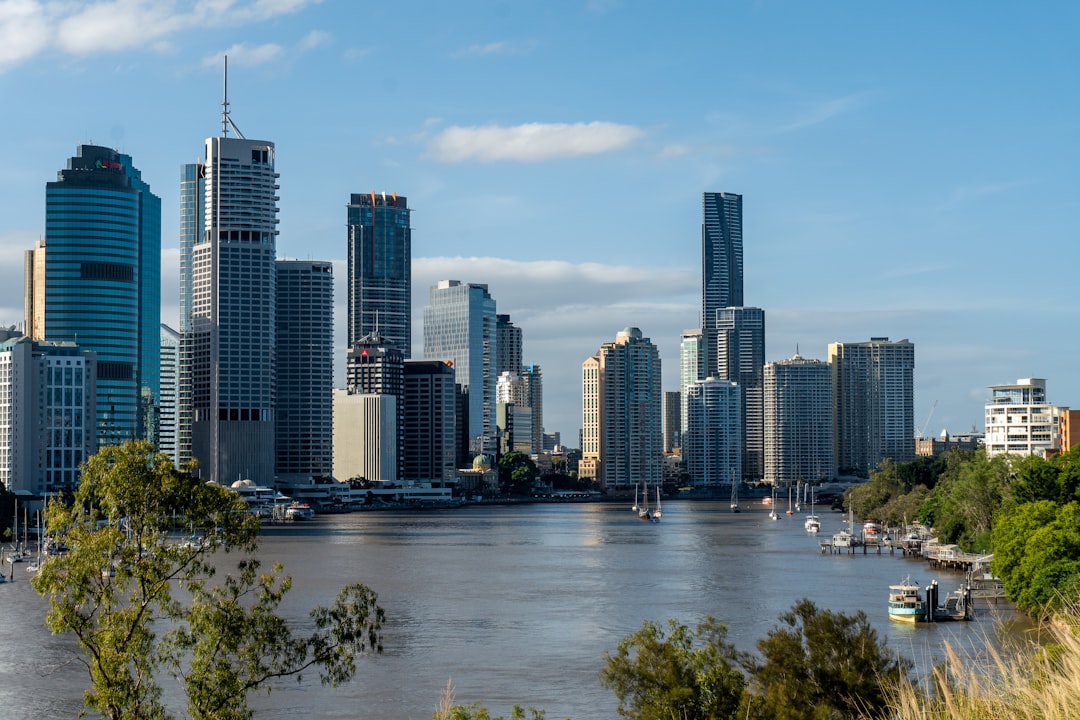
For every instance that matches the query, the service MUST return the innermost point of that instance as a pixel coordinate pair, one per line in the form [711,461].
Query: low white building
[1020,421]
[365,436]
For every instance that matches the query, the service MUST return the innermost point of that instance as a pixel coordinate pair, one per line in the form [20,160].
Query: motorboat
[906,602]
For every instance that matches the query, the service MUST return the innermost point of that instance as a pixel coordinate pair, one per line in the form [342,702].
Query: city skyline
[893,171]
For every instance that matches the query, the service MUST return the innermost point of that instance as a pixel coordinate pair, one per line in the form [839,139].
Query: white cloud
[825,110]
[316,38]
[531,142]
[30,27]
[501,47]
[245,55]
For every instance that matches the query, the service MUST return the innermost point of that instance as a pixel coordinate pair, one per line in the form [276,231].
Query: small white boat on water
[298,510]
[906,602]
[812,523]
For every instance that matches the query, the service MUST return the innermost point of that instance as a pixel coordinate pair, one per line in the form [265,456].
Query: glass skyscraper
[722,264]
[102,284]
[740,351]
[228,238]
[380,269]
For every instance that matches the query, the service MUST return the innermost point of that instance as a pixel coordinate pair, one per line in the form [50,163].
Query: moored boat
[907,602]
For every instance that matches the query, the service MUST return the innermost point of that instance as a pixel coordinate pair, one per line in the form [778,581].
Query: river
[518,604]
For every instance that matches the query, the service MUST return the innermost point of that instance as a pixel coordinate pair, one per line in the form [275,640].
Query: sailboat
[812,522]
[789,500]
[657,512]
[772,505]
[734,494]
[798,492]
[634,506]
[18,553]
[643,510]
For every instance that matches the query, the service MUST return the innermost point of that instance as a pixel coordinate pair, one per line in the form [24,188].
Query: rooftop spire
[226,121]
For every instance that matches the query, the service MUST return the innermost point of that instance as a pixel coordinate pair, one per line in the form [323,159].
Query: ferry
[906,602]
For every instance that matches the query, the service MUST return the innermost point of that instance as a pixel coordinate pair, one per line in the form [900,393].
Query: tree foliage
[968,494]
[1037,554]
[671,673]
[822,665]
[517,473]
[143,606]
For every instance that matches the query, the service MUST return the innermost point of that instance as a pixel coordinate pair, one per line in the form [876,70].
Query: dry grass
[1040,682]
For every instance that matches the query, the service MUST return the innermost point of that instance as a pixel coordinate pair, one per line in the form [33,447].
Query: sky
[908,170]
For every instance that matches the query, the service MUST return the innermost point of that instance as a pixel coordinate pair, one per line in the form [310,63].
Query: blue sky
[908,170]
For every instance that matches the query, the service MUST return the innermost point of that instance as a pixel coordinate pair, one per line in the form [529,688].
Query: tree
[118,591]
[821,665]
[1037,554]
[517,473]
[677,674]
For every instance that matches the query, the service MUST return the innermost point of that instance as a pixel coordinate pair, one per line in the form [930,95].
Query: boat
[906,602]
[772,504]
[298,510]
[657,512]
[734,495]
[842,539]
[634,506]
[643,511]
[789,500]
[812,523]
[798,494]
[871,531]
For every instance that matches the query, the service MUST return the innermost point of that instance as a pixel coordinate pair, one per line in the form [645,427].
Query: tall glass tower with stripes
[228,238]
[101,277]
[380,269]
[721,265]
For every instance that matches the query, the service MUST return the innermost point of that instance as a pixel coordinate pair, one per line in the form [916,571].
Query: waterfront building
[873,404]
[304,346]
[523,390]
[228,240]
[932,447]
[515,425]
[1020,420]
[95,280]
[459,326]
[47,413]
[722,265]
[430,403]
[672,423]
[692,367]
[798,421]
[532,379]
[380,268]
[365,436]
[508,344]
[375,366]
[170,393]
[620,417]
[712,449]
[740,352]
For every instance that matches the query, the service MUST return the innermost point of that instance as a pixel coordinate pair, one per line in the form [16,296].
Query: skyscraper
[375,366]
[712,450]
[873,403]
[672,428]
[430,439]
[303,410]
[740,357]
[524,391]
[722,264]
[380,268]
[101,269]
[621,439]
[691,369]
[798,421]
[508,345]
[228,241]
[459,325]
[170,393]
[1020,420]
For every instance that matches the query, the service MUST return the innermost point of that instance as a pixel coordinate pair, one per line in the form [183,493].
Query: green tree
[822,665]
[968,494]
[118,591]
[517,473]
[1037,555]
[676,674]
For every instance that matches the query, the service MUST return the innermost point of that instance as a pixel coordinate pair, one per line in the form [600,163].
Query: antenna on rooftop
[226,121]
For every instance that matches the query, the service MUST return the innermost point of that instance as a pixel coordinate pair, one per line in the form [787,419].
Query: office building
[507,346]
[365,439]
[524,392]
[672,428]
[692,368]
[304,346]
[459,326]
[170,393]
[798,422]
[380,268]
[1020,420]
[532,379]
[873,404]
[712,449]
[96,281]
[228,241]
[740,352]
[430,422]
[47,414]
[620,414]
[722,265]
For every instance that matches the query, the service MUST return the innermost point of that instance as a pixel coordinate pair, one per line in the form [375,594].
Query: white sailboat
[772,505]
[643,510]
[812,522]
[658,511]
[734,494]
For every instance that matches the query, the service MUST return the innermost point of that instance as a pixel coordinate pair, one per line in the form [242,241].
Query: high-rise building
[691,369]
[375,366]
[365,440]
[740,357]
[532,378]
[380,268]
[672,409]
[1020,420]
[304,437]
[620,413]
[96,281]
[47,406]
[798,421]
[712,450]
[228,240]
[170,393]
[507,345]
[873,404]
[722,265]
[459,325]
[430,421]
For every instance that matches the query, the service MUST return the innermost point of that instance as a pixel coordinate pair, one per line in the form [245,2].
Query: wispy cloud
[501,47]
[531,142]
[245,55]
[31,27]
[967,193]
[825,110]
[316,38]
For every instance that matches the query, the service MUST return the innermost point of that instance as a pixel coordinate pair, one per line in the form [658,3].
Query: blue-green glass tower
[103,283]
